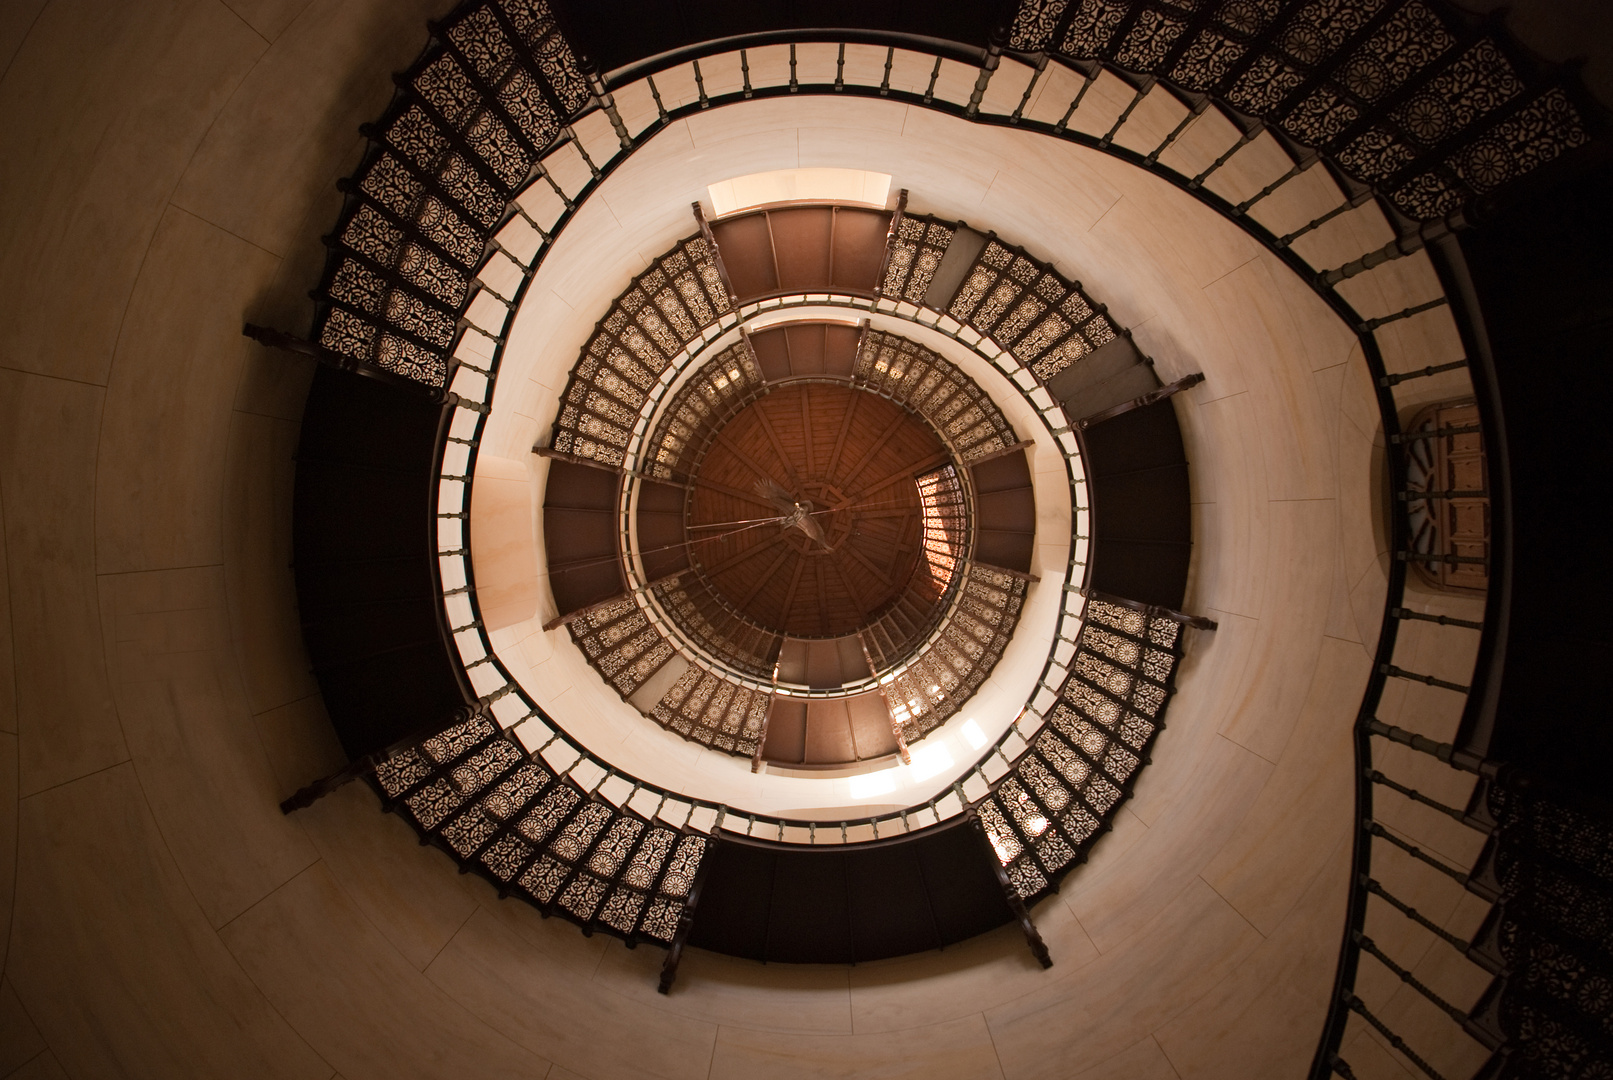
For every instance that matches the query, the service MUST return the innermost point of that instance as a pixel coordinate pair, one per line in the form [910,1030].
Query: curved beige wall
[166,171]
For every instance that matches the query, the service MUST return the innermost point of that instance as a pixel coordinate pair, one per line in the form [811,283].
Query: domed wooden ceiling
[788,570]
[847,457]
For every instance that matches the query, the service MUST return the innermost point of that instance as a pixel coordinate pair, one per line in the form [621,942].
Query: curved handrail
[1193,186]
[1075,581]
[1324,284]
[1434,235]
[1251,226]
[654,410]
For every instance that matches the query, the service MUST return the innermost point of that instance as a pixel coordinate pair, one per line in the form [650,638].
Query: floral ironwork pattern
[717,628]
[1043,818]
[915,253]
[1409,96]
[620,644]
[938,683]
[935,388]
[1550,927]
[472,116]
[663,309]
[1046,320]
[499,812]
[714,712]
[724,384]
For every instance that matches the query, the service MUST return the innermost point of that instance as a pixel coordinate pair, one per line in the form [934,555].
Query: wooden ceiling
[849,452]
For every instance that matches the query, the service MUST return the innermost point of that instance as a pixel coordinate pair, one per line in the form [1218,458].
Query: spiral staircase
[1483,161]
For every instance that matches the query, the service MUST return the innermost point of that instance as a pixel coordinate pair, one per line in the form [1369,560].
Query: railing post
[1397,248]
[716,253]
[1016,904]
[988,66]
[1192,114]
[596,85]
[1360,198]
[1136,99]
[1075,102]
[1025,98]
[890,241]
[1245,139]
[1420,373]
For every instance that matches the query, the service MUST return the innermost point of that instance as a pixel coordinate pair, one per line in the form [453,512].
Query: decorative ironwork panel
[456,741]
[944,527]
[915,252]
[1554,863]
[724,384]
[713,626]
[644,868]
[1035,23]
[473,791]
[664,309]
[1030,309]
[1092,26]
[685,864]
[1538,132]
[937,390]
[402,771]
[1062,794]
[1150,38]
[1398,93]
[936,685]
[713,712]
[661,921]
[543,816]
[473,114]
[480,769]
[620,644]
[467,833]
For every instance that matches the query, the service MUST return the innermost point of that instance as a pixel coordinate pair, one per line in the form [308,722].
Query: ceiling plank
[851,593]
[725,440]
[738,493]
[806,427]
[907,472]
[789,594]
[872,569]
[739,557]
[764,577]
[778,448]
[823,596]
[840,439]
[867,459]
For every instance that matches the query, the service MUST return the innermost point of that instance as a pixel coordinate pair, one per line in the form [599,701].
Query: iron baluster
[660,106]
[1025,98]
[1193,114]
[1075,102]
[1360,198]
[1420,373]
[1412,676]
[988,67]
[1304,163]
[700,86]
[1254,131]
[1405,313]
[1136,99]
